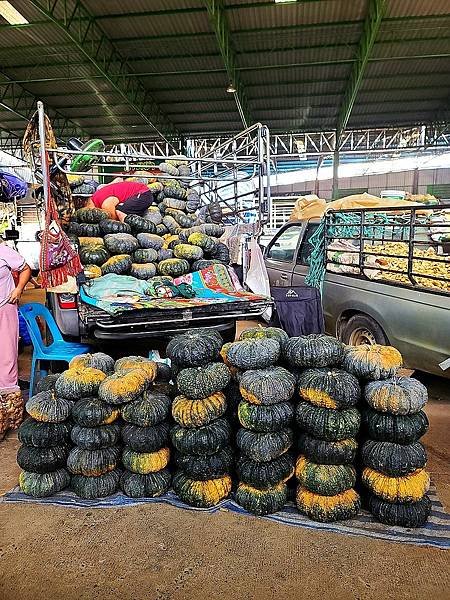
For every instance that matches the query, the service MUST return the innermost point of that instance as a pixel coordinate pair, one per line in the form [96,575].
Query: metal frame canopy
[172,69]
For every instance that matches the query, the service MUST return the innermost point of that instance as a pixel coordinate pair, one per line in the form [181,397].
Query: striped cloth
[436,532]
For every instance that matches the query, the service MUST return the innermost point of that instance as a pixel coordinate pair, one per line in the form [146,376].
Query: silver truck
[361,310]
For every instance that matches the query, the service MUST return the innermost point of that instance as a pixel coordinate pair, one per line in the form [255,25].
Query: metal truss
[293,145]
[81,27]
[376,11]
[219,22]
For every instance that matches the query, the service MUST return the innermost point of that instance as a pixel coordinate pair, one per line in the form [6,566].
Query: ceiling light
[284,1]
[10,14]
[231,89]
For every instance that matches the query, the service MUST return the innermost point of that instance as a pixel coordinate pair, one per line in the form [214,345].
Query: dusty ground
[158,552]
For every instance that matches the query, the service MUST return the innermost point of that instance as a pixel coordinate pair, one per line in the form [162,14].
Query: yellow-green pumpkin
[196,413]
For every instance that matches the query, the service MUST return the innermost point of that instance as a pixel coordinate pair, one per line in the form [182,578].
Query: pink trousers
[9,341]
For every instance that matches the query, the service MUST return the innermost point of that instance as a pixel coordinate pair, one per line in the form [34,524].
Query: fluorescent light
[13,16]
[284,1]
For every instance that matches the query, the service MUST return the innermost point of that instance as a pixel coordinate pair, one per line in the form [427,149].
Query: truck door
[303,257]
[281,253]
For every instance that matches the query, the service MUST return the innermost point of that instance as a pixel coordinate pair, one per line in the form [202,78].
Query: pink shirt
[10,260]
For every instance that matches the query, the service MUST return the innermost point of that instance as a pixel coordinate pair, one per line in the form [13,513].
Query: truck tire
[362,329]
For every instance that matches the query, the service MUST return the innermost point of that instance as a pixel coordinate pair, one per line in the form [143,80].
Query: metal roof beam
[81,27]
[376,11]
[219,22]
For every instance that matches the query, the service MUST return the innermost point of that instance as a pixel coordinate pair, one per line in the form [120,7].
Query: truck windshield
[284,246]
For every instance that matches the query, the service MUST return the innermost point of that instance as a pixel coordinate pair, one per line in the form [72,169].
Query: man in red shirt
[122,198]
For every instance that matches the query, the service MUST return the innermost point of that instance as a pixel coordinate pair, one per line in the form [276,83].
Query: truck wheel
[362,329]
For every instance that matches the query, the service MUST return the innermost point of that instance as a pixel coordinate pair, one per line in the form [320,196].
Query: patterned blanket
[116,294]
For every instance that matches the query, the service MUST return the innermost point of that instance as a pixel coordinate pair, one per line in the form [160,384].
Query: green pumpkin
[220,252]
[150,240]
[213,229]
[143,271]
[95,255]
[326,509]
[145,462]
[94,438]
[325,480]
[174,203]
[92,412]
[117,265]
[329,388]
[341,452]
[161,230]
[48,407]
[152,214]
[265,418]
[199,265]
[40,485]
[88,230]
[121,243]
[175,267]
[92,462]
[397,396]
[79,382]
[201,382]
[151,485]
[274,333]
[42,460]
[47,383]
[43,435]
[263,475]
[399,429]
[146,439]
[139,224]
[90,215]
[391,459]
[95,487]
[261,502]
[208,439]
[205,466]
[183,219]
[188,251]
[111,226]
[145,255]
[371,361]
[314,350]
[163,372]
[170,223]
[327,424]
[123,387]
[194,348]
[201,493]
[164,254]
[253,354]
[101,361]
[411,514]
[145,366]
[150,409]
[266,386]
[206,242]
[263,447]
[196,413]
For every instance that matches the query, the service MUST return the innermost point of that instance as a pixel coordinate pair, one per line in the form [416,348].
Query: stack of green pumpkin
[45,439]
[393,422]
[145,433]
[169,240]
[329,421]
[92,461]
[201,434]
[265,413]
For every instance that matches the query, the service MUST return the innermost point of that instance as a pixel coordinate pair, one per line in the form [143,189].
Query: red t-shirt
[122,190]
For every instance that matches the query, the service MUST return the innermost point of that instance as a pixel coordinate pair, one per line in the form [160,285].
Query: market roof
[118,70]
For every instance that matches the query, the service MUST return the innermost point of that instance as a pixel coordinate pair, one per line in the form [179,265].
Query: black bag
[298,310]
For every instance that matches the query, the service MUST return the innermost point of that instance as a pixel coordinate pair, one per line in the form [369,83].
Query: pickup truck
[361,310]
[80,321]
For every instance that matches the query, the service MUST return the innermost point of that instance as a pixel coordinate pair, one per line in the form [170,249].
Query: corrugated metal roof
[294,61]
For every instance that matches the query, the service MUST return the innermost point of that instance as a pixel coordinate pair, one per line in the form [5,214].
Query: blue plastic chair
[59,349]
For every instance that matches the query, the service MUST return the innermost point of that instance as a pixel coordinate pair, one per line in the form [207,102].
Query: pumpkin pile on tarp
[393,422]
[171,239]
[265,413]
[329,422]
[145,433]
[93,459]
[45,442]
[201,434]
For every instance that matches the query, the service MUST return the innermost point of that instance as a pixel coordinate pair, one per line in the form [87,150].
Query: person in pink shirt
[10,294]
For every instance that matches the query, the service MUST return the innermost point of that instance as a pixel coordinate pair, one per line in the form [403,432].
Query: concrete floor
[158,552]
